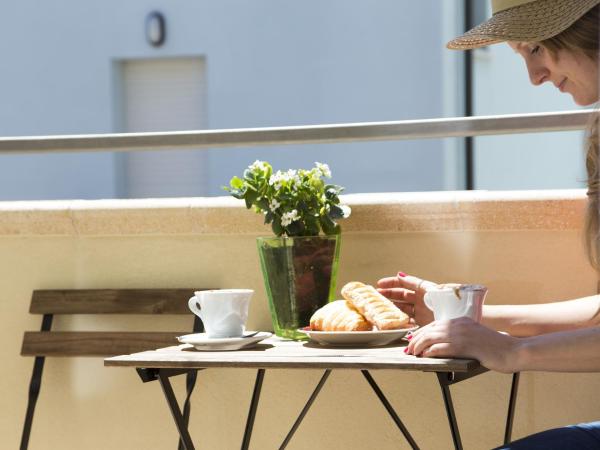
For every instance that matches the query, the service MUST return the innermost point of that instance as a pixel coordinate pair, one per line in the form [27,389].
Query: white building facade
[87,67]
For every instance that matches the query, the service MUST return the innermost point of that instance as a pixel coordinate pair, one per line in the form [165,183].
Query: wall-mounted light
[156,30]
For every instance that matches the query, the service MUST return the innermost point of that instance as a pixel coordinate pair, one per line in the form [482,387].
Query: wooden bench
[46,342]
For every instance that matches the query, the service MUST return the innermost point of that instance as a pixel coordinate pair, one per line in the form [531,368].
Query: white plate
[356,338]
[202,342]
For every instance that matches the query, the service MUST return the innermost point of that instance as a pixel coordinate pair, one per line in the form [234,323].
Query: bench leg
[34,392]
[34,387]
[512,403]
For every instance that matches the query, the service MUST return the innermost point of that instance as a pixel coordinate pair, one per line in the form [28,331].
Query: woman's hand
[407,292]
[465,338]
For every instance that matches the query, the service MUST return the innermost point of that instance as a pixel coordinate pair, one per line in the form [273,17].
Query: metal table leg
[190,383]
[186,440]
[309,403]
[390,410]
[445,380]
[260,374]
[511,407]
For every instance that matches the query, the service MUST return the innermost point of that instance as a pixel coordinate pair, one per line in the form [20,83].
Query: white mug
[223,311]
[450,301]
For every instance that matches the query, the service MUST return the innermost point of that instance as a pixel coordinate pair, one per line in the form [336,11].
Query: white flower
[274,205]
[293,178]
[324,169]
[276,180]
[258,165]
[346,210]
[289,217]
[290,177]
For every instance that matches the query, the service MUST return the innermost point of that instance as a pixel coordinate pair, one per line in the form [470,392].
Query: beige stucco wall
[525,246]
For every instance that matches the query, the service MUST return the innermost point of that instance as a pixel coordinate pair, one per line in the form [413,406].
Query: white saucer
[202,342]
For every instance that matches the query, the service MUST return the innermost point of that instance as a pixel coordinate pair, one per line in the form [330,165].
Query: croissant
[377,309]
[338,316]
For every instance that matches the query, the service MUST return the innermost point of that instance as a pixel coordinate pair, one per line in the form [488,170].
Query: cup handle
[193,305]
[428,300]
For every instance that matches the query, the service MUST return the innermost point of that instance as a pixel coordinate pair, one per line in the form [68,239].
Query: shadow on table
[258,347]
[399,344]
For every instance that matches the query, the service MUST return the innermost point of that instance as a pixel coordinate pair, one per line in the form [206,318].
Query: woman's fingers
[406,308]
[423,338]
[388,282]
[421,330]
[405,288]
[441,350]
[405,281]
[419,343]
[418,285]
[398,294]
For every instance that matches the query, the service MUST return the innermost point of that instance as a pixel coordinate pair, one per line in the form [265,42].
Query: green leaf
[331,191]
[335,212]
[236,183]
[302,207]
[263,204]
[295,228]
[276,226]
[250,198]
[269,216]
[312,226]
[327,224]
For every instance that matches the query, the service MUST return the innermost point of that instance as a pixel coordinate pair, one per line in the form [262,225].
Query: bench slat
[94,343]
[111,301]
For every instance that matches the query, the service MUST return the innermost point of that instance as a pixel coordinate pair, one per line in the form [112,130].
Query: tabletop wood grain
[281,354]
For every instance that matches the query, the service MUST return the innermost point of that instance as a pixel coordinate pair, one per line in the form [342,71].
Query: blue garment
[584,436]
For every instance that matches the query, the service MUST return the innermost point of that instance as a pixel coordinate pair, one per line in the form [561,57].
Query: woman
[558,39]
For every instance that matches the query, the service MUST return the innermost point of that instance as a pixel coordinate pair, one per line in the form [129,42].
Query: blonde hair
[592,216]
[582,37]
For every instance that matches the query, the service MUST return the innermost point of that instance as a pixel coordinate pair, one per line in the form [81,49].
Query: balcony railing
[314,134]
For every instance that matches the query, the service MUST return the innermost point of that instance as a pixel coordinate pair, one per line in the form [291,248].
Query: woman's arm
[518,320]
[531,320]
[566,351]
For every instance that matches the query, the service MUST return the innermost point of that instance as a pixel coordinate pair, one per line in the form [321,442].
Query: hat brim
[530,22]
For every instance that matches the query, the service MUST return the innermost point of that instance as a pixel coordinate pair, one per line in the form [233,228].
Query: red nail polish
[401,274]
[405,349]
[409,337]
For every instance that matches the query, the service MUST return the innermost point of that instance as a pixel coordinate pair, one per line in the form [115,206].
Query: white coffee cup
[450,301]
[223,311]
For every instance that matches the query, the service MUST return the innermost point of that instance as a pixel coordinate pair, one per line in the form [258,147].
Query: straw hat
[523,21]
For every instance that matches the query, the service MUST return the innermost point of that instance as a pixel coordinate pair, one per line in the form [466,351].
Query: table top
[284,354]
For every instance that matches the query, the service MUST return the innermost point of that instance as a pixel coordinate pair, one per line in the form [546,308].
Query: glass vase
[300,275]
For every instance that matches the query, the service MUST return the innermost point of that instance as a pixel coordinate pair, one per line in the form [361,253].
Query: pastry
[377,309]
[338,316]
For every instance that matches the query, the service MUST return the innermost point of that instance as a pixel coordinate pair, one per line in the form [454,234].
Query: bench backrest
[103,301]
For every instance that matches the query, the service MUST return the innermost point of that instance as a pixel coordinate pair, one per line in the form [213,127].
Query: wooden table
[281,354]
